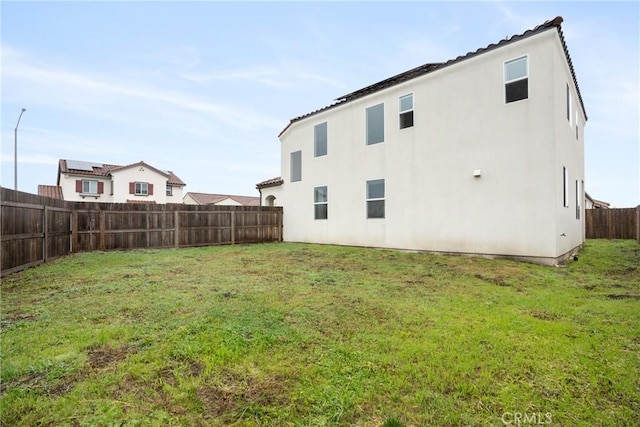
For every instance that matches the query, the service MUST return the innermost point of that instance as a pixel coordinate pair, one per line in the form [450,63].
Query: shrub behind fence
[36,229]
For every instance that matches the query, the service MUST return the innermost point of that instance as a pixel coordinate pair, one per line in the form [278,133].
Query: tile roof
[105,170]
[427,68]
[270,183]
[53,191]
[213,199]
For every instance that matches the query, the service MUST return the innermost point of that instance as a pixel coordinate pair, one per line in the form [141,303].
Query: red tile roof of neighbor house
[213,199]
[104,170]
[270,183]
[53,191]
[428,68]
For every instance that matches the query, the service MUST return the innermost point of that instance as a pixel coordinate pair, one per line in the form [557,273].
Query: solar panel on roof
[82,166]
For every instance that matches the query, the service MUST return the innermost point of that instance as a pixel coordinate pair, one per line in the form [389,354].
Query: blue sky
[204,88]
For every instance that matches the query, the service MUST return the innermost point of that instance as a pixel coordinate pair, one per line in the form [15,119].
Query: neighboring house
[53,191]
[482,154]
[269,199]
[134,183]
[591,203]
[219,199]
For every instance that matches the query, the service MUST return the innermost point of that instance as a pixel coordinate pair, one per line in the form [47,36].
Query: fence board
[36,229]
[612,223]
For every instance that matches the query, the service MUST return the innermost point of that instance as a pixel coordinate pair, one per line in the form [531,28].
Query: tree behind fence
[36,229]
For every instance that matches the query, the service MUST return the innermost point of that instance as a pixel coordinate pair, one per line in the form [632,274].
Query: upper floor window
[320,202]
[169,190]
[142,189]
[375,124]
[569,106]
[296,166]
[375,198]
[577,133]
[89,186]
[406,111]
[516,79]
[320,140]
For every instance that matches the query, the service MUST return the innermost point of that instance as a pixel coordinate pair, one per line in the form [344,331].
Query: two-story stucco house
[482,154]
[134,183]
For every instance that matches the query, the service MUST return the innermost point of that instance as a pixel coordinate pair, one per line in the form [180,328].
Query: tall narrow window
[375,124]
[406,111]
[169,190]
[296,166]
[320,202]
[320,140]
[578,198]
[565,187]
[577,133]
[569,105]
[375,198]
[516,79]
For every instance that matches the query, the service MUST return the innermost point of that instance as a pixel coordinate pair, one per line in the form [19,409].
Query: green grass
[308,335]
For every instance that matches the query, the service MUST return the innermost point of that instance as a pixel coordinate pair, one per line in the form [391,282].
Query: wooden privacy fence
[36,229]
[621,223]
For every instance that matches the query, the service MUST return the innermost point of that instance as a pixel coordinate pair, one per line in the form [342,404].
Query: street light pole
[15,152]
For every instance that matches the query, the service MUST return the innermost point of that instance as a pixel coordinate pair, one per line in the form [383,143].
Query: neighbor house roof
[53,191]
[428,68]
[213,199]
[79,167]
[270,183]
[596,203]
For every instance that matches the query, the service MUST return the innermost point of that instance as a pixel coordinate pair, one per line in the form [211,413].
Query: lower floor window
[375,198]
[320,202]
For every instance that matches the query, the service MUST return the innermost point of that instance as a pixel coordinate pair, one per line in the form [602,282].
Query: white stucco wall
[68,184]
[433,201]
[138,173]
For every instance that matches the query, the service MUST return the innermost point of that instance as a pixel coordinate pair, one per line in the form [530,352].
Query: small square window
[90,187]
[142,189]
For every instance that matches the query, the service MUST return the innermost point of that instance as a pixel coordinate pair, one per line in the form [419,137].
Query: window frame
[402,112]
[569,106]
[316,129]
[578,205]
[515,80]
[371,200]
[565,187]
[320,203]
[89,182]
[139,186]
[366,124]
[169,191]
[293,176]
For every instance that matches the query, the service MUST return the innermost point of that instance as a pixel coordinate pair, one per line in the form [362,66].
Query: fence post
[176,229]
[233,227]
[101,239]
[45,234]
[638,223]
[74,231]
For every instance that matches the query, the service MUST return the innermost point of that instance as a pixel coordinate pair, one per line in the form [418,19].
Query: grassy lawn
[308,335]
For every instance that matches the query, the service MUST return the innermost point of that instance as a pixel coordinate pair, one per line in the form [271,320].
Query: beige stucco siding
[433,201]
